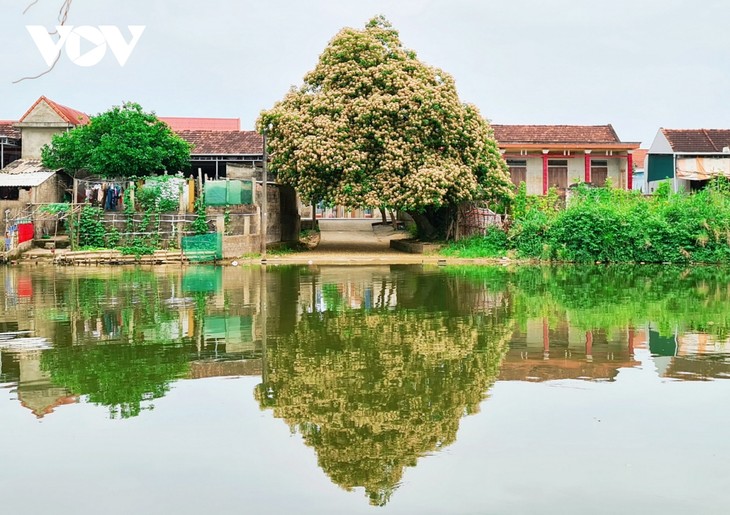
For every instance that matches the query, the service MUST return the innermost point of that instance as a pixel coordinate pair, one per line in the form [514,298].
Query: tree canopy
[124,141]
[374,126]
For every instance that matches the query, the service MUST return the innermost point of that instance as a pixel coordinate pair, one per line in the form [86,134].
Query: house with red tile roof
[545,156]
[24,181]
[213,150]
[42,121]
[687,157]
[216,141]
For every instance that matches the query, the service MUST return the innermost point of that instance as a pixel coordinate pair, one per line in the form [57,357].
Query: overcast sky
[637,64]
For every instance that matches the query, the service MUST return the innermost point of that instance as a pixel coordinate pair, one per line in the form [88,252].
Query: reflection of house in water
[335,288]
[539,352]
[137,326]
[690,355]
[35,389]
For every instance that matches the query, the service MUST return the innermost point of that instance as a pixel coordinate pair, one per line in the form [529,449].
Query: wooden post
[200,182]
[71,215]
[131,195]
[191,195]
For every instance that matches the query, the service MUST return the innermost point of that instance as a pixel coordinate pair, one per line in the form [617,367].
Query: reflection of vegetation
[372,391]
[127,346]
[119,376]
[615,296]
[332,298]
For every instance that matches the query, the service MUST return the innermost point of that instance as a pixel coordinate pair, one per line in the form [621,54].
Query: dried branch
[31,5]
[62,18]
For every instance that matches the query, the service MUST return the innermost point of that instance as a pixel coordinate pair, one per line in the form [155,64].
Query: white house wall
[534,176]
[660,145]
[576,171]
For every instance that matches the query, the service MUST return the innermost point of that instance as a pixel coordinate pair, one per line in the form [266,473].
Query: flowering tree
[374,126]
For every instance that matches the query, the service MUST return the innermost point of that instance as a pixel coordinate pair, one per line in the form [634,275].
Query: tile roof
[224,142]
[697,140]
[8,131]
[640,157]
[589,134]
[177,123]
[69,115]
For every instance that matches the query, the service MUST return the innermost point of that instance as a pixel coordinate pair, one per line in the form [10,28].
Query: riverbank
[336,247]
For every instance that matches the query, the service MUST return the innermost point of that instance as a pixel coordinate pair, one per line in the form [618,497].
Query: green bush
[610,225]
[90,227]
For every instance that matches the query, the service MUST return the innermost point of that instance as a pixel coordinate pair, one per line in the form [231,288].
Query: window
[9,193]
[558,174]
[517,170]
[599,172]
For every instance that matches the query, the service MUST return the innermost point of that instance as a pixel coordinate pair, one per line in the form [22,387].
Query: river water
[391,389]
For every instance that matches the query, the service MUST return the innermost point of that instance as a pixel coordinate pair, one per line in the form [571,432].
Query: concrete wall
[284,222]
[35,138]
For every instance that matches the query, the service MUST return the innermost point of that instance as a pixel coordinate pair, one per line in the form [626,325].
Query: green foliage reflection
[373,391]
[612,297]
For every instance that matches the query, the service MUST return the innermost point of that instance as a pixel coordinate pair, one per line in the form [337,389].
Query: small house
[688,158]
[545,156]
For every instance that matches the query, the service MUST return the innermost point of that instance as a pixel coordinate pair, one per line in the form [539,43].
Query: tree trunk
[434,223]
[384,215]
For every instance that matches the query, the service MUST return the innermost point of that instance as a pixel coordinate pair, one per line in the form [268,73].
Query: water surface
[360,390]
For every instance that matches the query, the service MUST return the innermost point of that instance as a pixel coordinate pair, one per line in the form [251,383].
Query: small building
[219,144]
[24,181]
[9,143]
[687,157]
[545,156]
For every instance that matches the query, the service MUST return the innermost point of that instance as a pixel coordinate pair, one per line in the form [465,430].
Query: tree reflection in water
[374,390]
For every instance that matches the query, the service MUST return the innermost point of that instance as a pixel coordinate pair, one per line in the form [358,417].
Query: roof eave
[624,145]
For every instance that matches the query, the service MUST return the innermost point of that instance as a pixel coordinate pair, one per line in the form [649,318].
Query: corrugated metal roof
[24,180]
[22,166]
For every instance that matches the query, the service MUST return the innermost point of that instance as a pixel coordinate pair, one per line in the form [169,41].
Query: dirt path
[352,242]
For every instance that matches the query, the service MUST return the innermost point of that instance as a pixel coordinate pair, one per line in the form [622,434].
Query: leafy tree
[374,126]
[121,142]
